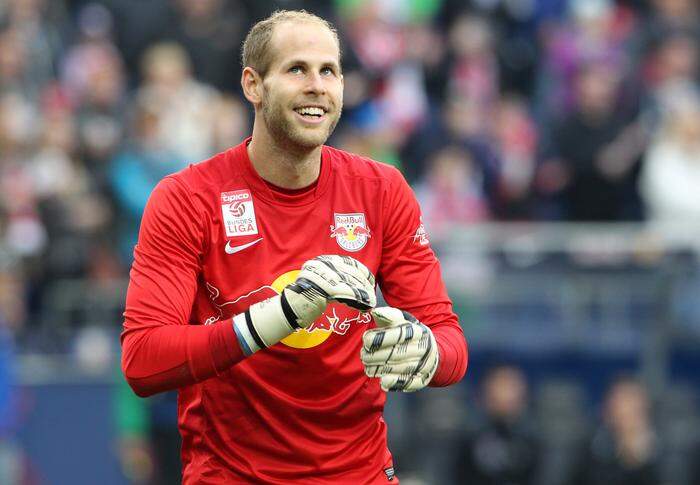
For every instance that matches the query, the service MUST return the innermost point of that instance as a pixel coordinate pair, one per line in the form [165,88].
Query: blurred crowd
[495,110]
[517,436]
[579,110]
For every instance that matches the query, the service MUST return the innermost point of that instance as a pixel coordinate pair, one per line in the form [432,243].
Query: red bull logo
[336,319]
[330,322]
[350,231]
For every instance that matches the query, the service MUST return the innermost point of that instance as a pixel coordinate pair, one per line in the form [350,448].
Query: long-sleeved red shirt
[216,238]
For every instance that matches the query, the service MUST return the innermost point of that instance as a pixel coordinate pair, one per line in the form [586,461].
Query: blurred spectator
[675,60]
[673,160]
[663,19]
[138,167]
[371,136]
[624,451]
[516,140]
[14,469]
[148,440]
[94,79]
[184,107]
[231,123]
[23,232]
[590,170]
[37,26]
[73,212]
[394,47]
[14,73]
[457,123]
[452,192]
[211,31]
[504,449]
[672,66]
[473,71]
[516,25]
[138,25]
[375,33]
[595,32]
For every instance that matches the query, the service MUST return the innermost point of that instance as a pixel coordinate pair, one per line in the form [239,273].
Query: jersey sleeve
[161,348]
[410,279]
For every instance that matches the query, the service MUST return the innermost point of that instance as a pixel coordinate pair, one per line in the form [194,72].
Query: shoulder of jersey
[215,171]
[356,165]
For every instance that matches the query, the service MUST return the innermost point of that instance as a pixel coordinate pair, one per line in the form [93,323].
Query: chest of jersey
[258,246]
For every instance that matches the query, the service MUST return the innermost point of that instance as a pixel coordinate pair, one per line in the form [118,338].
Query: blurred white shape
[25,235]
[93,350]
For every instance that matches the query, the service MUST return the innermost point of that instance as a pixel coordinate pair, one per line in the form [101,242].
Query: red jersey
[216,238]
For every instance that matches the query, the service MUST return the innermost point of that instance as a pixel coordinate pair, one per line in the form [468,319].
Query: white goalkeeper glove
[321,280]
[401,351]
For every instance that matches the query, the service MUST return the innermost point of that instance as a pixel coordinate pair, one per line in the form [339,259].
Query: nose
[315,83]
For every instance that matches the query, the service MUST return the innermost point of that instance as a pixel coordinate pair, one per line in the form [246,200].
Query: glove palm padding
[330,278]
[402,351]
[322,279]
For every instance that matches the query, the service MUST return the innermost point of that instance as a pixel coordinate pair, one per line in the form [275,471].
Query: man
[215,286]
[504,447]
[625,449]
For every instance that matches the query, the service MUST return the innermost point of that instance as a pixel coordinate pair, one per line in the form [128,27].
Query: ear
[251,82]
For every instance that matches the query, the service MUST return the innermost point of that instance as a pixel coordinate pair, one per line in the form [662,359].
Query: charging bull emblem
[350,231]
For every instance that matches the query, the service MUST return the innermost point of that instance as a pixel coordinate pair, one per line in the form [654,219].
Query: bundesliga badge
[350,231]
[238,213]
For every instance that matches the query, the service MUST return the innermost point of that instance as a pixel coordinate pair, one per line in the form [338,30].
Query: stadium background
[554,146]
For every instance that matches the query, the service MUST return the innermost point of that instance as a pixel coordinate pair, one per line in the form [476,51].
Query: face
[302,92]
[506,393]
[627,406]
[597,88]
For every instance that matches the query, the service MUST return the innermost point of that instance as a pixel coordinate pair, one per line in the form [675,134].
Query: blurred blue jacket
[134,173]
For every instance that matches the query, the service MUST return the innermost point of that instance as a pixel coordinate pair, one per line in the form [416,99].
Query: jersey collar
[262,188]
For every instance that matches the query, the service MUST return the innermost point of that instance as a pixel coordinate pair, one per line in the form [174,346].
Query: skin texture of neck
[288,167]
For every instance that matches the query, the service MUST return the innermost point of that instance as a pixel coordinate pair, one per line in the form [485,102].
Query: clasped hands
[401,351]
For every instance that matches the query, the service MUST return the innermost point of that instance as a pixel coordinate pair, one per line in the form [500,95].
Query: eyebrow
[295,62]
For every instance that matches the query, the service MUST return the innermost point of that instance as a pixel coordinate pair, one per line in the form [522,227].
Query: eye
[327,71]
[296,70]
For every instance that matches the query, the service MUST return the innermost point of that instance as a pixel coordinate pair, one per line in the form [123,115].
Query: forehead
[304,40]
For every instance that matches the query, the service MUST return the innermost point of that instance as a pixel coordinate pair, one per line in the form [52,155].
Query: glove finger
[389,355]
[415,383]
[387,316]
[402,382]
[338,285]
[377,370]
[396,382]
[357,298]
[390,317]
[376,338]
[357,288]
[351,266]
[400,368]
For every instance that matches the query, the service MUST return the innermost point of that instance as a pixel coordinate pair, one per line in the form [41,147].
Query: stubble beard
[284,131]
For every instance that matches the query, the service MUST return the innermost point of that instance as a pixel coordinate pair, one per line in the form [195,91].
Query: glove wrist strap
[264,324]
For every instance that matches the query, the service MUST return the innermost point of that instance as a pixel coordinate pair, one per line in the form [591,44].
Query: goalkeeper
[252,290]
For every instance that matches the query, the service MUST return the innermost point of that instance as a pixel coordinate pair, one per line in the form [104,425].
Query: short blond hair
[256,46]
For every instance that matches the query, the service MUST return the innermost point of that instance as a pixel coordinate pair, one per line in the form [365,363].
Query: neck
[284,165]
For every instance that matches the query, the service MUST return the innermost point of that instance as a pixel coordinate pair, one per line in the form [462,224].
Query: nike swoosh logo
[234,249]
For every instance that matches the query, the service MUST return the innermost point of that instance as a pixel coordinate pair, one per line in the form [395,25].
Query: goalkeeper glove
[321,280]
[401,351]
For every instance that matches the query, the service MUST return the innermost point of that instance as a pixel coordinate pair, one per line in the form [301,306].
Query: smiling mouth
[311,113]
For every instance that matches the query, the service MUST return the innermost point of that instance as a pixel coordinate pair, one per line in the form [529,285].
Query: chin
[309,140]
